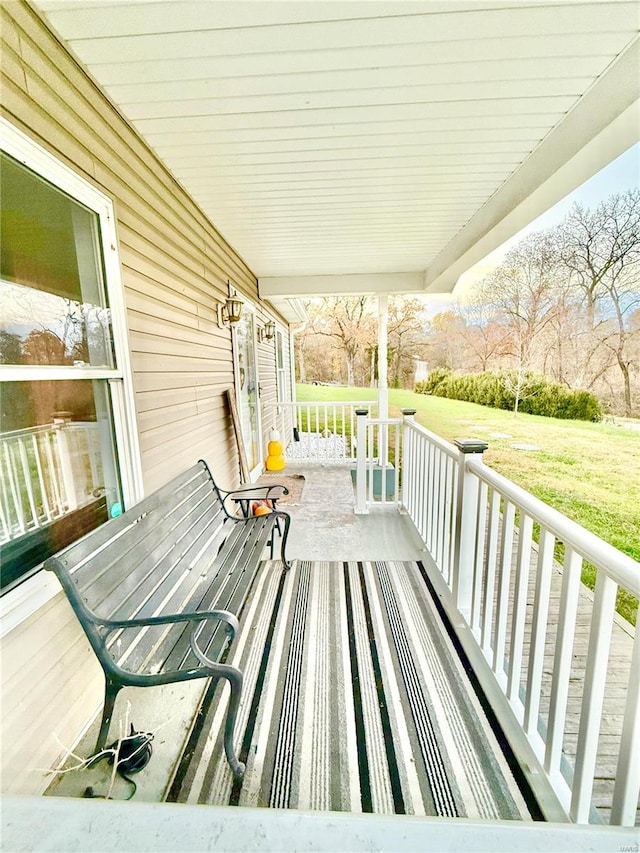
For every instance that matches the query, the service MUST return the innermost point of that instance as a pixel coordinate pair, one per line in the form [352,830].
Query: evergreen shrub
[538,396]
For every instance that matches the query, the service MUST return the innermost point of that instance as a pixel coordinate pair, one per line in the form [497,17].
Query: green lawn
[589,472]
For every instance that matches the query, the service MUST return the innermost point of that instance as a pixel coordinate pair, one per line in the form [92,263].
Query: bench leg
[283,540]
[111,691]
[234,677]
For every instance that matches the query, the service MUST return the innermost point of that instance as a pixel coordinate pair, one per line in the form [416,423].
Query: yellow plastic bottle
[275,460]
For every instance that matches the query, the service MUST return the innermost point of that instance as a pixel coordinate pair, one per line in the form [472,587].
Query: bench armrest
[244,496]
[257,491]
[143,622]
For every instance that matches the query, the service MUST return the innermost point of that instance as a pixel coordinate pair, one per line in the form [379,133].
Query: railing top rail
[624,570]
[384,421]
[443,445]
[354,403]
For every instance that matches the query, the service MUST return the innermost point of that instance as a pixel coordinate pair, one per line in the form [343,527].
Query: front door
[247,387]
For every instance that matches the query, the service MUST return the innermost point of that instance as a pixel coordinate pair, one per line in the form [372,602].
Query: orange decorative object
[261,507]
[275,460]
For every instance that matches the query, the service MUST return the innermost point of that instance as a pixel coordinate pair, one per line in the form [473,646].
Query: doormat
[354,700]
[293,482]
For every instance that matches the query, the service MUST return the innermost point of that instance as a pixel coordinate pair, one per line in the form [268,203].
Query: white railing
[377,479]
[494,545]
[320,432]
[45,473]
[430,490]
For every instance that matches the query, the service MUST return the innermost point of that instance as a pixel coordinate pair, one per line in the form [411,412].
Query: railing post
[361,462]
[465,529]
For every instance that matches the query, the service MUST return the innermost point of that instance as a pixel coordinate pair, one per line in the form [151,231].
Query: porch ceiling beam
[339,285]
[602,125]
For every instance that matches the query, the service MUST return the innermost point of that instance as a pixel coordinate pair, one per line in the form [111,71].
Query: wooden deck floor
[615,692]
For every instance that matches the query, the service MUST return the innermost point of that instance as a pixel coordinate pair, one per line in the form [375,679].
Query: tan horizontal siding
[51,687]
[175,269]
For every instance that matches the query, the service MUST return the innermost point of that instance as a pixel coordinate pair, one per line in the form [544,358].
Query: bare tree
[405,330]
[525,290]
[483,331]
[446,343]
[600,249]
[349,322]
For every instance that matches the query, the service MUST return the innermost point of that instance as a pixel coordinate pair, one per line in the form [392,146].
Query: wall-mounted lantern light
[231,311]
[267,332]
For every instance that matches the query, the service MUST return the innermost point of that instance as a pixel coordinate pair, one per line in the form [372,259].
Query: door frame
[249,309]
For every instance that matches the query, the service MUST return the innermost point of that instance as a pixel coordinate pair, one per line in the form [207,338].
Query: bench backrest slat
[90,545]
[226,592]
[138,577]
[111,560]
[232,590]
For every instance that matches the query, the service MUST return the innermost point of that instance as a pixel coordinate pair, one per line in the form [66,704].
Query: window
[67,438]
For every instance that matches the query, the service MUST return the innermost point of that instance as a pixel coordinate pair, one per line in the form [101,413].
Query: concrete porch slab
[325,527]
[168,712]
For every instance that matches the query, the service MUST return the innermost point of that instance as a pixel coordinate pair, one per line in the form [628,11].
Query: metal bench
[159,590]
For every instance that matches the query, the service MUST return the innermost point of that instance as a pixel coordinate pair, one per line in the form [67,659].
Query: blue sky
[621,174]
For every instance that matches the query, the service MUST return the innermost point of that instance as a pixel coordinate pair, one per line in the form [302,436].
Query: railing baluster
[504,579]
[409,471]
[433,506]
[396,478]
[437,508]
[520,598]
[419,481]
[422,488]
[446,521]
[370,463]
[478,573]
[26,477]
[595,678]
[430,496]
[562,659]
[627,785]
[538,632]
[5,518]
[54,474]
[490,571]
[94,456]
[442,510]
[17,500]
[455,488]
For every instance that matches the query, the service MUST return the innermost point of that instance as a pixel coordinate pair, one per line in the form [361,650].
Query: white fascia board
[339,285]
[291,310]
[602,125]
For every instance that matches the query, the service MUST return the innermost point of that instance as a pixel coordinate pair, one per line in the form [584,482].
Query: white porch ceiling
[340,138]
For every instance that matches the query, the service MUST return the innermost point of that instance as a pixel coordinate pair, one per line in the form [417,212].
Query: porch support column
[383,388]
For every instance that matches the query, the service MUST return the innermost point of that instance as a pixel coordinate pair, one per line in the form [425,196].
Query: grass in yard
[590,472]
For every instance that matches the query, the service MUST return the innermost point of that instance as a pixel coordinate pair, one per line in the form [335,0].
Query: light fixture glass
[267,332]
[231,311]
[233,307]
